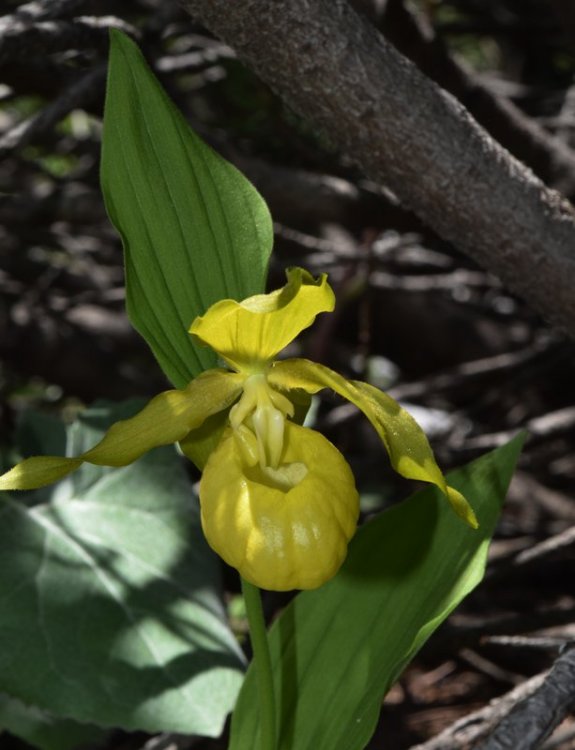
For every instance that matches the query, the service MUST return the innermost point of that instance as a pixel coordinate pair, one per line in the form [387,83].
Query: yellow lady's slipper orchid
[278,501]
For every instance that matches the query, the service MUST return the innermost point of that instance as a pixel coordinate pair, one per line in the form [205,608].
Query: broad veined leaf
[336,651]
[194,229]
[110,612]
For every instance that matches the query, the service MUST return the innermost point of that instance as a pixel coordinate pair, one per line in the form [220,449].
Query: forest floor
[472,363]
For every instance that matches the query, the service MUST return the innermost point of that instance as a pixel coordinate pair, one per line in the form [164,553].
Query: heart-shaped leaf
[110,609]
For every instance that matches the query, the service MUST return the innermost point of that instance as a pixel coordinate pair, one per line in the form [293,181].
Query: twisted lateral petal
[249,334]
[284,530]
[406,443]
[168,417]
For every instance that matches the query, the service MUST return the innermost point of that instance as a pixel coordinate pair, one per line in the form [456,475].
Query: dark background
[414,315]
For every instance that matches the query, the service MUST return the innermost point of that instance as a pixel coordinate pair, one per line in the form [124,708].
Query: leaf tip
[462,507]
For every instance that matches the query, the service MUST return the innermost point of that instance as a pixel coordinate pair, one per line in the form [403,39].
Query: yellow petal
[249,334]
[168,417]
[406,443]
[38,471]
[287,529]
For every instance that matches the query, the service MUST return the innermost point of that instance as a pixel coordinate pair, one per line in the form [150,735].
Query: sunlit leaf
[110,608]
[194,229]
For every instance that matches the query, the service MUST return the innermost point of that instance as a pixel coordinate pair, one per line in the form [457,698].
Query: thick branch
[334,68]
[549,157]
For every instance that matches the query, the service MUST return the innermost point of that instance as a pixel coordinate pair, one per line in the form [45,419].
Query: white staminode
[261,411]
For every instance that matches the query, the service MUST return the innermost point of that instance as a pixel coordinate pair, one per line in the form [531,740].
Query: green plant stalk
[263,665]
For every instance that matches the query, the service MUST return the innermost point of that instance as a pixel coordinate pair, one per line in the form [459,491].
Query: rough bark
[549,157]
[334,68]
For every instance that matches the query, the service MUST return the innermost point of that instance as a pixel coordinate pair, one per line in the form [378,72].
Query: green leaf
[194,229]
[337,651]
[110,610]
[41,730]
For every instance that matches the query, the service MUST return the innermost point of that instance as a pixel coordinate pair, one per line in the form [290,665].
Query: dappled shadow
[108,641]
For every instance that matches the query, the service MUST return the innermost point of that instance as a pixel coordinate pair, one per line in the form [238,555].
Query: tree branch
[334,68]
[550,158]
[464,732]
[536,716]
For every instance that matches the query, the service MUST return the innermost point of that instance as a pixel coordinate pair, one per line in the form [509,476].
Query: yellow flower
[278,500]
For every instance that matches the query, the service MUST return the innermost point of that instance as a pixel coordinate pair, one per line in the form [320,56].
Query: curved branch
[334,68]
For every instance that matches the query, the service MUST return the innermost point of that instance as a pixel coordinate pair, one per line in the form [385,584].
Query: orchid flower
[278,500]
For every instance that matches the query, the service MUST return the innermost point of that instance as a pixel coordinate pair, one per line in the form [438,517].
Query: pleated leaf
[337,651]
[194,229]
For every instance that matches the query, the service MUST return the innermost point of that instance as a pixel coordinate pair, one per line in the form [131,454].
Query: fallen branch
[549,157]
[536,716]
[334,68]
[464,732]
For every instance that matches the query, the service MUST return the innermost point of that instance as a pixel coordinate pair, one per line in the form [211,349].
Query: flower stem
[263,665]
